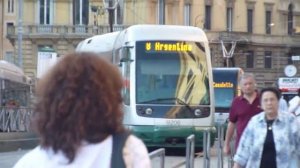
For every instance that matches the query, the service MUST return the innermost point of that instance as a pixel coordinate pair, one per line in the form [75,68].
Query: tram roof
[165,32]
[102,43]
[11,72]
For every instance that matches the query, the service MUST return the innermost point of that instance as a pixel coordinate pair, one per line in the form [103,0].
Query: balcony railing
[247,38]
[58,30]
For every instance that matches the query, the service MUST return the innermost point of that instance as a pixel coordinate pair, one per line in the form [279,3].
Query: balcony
[258,39]
[60,31]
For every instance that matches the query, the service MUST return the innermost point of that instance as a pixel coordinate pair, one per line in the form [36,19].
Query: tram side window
[126,76]
[16,94]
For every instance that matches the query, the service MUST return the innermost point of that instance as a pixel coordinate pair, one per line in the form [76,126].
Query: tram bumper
[171,136]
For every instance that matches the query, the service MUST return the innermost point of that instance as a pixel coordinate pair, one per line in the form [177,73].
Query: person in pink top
[78,117]
[243,108]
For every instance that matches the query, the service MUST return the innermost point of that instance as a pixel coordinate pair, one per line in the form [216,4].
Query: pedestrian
[78,117]
[242,109]
[283,105]
[271,138]
[295,105]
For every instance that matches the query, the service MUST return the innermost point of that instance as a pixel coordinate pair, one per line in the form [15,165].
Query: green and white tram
[168,86]
[15,98]
[15,87]
[226,85]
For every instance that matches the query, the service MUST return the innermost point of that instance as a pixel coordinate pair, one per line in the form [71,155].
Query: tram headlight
[198,112]
[128,127]
[148,111]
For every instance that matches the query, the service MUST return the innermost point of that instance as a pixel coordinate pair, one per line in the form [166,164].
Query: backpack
[119,139]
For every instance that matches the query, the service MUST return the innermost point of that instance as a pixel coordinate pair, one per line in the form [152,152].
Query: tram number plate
[173,122]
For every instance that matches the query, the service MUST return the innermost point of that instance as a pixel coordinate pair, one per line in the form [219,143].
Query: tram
[15,98]
[15,87]
[226,85]
[168,87]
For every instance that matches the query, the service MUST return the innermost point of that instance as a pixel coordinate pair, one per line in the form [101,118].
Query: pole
[161,11]
[110,15]
[20,29]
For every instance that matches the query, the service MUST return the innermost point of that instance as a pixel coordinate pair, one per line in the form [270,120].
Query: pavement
[8,159]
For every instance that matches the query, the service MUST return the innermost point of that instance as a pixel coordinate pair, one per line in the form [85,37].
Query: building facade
[264,32]
[8,17]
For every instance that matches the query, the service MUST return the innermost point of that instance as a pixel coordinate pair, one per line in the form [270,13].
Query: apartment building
[264,32]
[8,17]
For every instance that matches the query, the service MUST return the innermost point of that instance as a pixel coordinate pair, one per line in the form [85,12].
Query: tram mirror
[125,54]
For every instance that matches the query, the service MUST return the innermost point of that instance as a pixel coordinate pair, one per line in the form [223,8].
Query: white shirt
[294,105]
[88,156]
[283,106]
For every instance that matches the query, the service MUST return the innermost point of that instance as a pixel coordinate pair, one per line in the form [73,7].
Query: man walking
[242,109]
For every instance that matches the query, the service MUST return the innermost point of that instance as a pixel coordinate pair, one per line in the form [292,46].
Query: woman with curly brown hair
[78,115]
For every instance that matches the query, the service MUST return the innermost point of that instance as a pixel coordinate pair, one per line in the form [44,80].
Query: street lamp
[20,29]
[97,10]
[108,4]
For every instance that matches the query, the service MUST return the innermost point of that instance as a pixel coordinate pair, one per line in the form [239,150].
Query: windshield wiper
[181,102]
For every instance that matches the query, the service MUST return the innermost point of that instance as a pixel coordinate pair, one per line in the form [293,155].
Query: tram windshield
[225,86]
[167,71]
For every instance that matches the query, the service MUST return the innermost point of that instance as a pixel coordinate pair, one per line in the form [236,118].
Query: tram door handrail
[161,153]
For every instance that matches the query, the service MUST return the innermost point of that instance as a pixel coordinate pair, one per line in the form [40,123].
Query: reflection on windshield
[180,74]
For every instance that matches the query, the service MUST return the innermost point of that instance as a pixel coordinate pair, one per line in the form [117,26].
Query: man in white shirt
[283,106]
[294,106]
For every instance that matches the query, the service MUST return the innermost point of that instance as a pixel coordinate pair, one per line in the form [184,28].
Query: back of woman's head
[79,99]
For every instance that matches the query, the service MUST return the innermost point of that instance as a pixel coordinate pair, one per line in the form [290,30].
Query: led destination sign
[223,85]
[165,46]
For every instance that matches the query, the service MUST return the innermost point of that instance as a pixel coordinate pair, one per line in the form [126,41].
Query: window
[45,11]
[126,76]
[10,6]
[268,84]
[268,59]
[187,14]
[250,20]
[80,12]
[268,22]
[290,54]
[229,18]
[8,24]
[118,15]
[9,57]
[290,19]
[207,24]
[250,59]
[10,28]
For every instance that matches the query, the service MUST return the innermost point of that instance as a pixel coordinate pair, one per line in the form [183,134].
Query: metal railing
[15,119]
[189,153]
[159,153]
[220,145]
[206,148]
